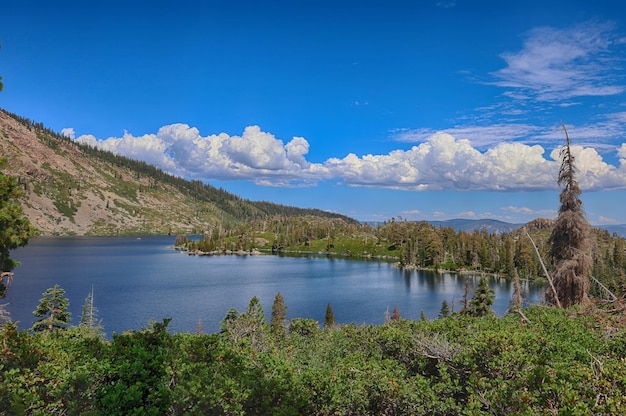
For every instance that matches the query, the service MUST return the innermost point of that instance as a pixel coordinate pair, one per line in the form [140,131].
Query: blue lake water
[138,280]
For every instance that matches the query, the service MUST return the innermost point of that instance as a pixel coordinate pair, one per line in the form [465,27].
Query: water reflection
[138,280]
[451,286]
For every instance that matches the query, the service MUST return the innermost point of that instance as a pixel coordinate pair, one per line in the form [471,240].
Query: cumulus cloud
[593,172]
[558,64]
[622,154]
[147,148]
[442,162]
[68,132]
[255,155]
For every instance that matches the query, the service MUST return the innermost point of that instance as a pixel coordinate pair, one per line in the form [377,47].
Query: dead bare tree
[516,300]
[569,241]
[5,282]
[5,316]
[555,299]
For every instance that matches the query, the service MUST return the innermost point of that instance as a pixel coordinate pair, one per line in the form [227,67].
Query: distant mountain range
[619,229]
[495,226]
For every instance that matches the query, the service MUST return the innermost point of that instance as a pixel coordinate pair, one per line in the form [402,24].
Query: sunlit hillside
[71,189]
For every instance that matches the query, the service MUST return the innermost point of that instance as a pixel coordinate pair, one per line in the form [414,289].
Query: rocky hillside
[74,190]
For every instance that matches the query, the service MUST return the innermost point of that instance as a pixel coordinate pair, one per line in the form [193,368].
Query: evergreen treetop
[279,315]
[329,318]
[52,311]
[480,304]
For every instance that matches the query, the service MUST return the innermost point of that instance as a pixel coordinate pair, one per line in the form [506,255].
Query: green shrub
[551,361]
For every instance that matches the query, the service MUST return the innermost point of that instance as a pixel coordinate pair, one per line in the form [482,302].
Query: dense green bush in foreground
[556,361]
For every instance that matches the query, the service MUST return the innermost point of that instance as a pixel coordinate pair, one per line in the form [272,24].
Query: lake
[136,280]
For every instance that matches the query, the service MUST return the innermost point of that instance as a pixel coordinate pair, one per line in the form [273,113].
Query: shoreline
[358,257]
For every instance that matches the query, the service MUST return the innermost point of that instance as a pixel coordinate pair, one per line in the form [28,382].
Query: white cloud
[255,155]
[297,149]
[446,4]
[147,148]
[608,129]
[68,132]
[593,172]
[607,220]
[467,214]
[530,211]
[598,135]
[442,162]
[479,136]
[618,117]
[558,65]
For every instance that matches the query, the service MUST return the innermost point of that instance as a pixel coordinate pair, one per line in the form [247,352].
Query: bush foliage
[543,361]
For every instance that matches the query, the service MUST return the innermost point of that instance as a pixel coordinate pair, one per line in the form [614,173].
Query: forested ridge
[72,188]
[415,244]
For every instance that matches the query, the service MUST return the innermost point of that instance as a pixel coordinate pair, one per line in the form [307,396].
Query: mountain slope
[71,189]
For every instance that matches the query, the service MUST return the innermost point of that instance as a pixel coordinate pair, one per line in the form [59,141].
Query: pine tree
[569,241]
[481,302]
[255,311]
[250,325]
[444,312]
[231,315]
[52,311]
[15,229]
[329,318]
[279,316]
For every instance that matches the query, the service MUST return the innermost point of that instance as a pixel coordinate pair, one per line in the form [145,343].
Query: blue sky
[376,109]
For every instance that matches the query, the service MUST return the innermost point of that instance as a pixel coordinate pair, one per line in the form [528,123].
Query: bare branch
[436,346]
[5,316]
[556,297]
[613,297]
